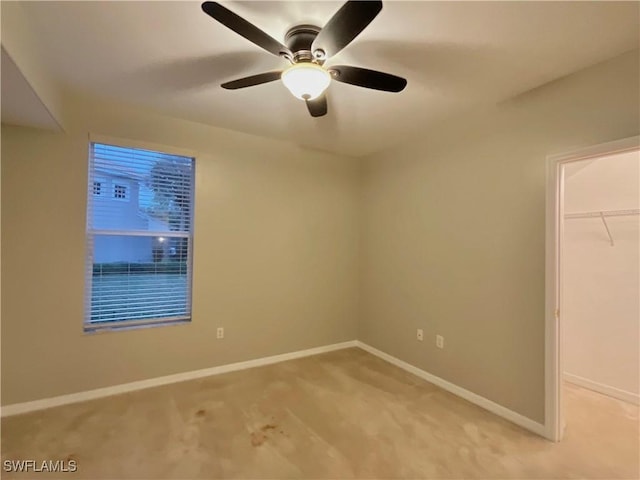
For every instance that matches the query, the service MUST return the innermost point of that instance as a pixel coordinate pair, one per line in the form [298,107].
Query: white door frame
[554,416]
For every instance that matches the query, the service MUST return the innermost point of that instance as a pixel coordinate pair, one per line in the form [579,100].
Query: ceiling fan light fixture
[306,81]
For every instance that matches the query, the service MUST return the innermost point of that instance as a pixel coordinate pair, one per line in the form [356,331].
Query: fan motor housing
[299,40]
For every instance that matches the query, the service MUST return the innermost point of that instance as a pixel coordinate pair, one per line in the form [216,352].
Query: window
[119,191]
[139,251]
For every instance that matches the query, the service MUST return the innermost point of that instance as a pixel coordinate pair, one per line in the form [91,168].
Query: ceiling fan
[307,49]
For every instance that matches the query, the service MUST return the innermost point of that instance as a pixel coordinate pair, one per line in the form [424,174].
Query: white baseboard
[521,420]
[602,388]
[18,408]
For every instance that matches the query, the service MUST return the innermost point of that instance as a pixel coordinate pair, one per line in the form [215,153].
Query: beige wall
[19,41]
[600,282]
[454,233]
[275,258]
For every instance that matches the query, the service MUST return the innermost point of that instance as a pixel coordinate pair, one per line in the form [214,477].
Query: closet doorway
[593,285]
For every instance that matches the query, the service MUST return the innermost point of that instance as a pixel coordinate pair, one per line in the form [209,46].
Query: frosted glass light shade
[306,81]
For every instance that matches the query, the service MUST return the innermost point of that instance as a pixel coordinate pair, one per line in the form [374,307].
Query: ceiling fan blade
[252,80]
[318,106]
[345,25]
[244,28]
[366,78]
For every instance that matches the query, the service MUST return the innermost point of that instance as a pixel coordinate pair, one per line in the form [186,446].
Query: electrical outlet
[220,332]
[420,334]
[439,341]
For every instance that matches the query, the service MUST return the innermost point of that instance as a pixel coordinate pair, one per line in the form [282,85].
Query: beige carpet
[344,414]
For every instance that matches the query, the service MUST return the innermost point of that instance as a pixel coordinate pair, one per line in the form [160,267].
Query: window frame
[120,325]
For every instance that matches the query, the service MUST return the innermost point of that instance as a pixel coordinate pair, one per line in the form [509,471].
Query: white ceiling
[172,57]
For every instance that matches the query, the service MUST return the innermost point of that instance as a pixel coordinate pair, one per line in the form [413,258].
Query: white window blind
[139,237]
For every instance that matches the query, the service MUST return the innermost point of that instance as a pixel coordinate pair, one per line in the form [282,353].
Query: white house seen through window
[139,250]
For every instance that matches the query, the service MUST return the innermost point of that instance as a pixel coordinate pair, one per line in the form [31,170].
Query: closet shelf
[602,216]
[604,213]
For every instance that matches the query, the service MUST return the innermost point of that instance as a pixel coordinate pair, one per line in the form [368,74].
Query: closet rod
[604,213]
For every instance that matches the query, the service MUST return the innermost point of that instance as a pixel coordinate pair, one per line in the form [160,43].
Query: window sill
[130,325]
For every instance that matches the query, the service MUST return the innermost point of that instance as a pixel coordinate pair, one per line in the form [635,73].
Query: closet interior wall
[601,271]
